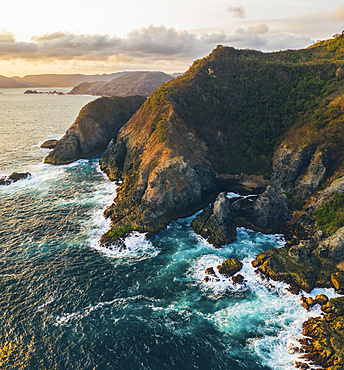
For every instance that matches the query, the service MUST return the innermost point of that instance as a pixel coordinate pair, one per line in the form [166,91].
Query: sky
[106,36]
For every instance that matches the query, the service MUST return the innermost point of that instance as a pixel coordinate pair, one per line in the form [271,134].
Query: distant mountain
[176,74]
[64,80]
[130,83]
[6,82]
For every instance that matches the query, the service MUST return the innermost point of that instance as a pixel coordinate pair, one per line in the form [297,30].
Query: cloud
[237,11]
[258,30]
[7,37]
[152,44]
[338,14]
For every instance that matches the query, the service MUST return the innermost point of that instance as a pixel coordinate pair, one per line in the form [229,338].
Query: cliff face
[226,115]
[164,169]
[97,123]
[129,83]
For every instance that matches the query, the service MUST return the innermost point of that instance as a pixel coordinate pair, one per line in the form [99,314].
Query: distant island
[65,80]
[44,92]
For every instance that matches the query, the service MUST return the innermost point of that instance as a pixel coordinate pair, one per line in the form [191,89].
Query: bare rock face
[97,123]
[300,251]
[332,247]
[288,166]
[336,187]
[49,144]
[216,224]
[298,173]
[310,181]
[270,209]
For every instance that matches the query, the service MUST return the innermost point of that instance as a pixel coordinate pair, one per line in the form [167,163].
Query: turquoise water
[66,303]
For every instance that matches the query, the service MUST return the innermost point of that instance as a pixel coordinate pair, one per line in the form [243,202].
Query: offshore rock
[98,122]
[238,279]
[14,177]
[216,223]
[230,267]
[210,275]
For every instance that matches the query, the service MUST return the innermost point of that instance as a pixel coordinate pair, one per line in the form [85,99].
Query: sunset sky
[104,36]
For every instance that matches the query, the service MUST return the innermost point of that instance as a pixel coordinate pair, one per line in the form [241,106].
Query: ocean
[67,303]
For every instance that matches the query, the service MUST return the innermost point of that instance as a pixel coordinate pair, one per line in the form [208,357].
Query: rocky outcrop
[332,247]
[14,177]
[336,187]
[310,181]
[129,83]
[227,269]
[97,123]
[298,173]
[323,339]
[266,212]
[288,166]
[230,267]
[316,262]
[49,144]
[270,210]
[216,223]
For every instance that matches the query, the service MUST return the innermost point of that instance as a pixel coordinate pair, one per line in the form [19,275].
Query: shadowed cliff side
[98,122]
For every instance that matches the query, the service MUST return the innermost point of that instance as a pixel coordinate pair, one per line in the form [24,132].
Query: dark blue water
[66,303]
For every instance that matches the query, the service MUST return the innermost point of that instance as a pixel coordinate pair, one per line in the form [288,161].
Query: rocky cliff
[128,83]
[224,116]
[269,124]
[97,123]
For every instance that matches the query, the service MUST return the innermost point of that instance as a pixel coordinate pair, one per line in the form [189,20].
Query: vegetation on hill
[229,111]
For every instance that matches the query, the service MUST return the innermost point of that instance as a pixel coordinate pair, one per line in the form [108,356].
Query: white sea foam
[136,247]
[270,311]
[45,304]
[65,318]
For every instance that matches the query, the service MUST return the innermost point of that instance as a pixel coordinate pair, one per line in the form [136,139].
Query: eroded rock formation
[97,123]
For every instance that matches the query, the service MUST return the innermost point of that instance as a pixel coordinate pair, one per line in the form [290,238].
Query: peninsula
[265,124]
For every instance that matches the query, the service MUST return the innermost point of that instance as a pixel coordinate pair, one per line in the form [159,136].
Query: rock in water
[14,177]
[49,144]
[230,267]
[98,122]
[216,223]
